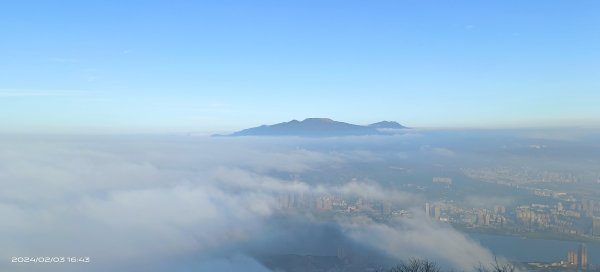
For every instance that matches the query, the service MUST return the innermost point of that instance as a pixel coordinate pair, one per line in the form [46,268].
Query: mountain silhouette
[319,127]
[387,124]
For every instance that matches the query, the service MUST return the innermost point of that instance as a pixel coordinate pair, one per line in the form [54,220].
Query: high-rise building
[327,203]
[588,206]
[572,257]
[582,257]
[284,201]
[341,252]
[483,218]
[596,226]
[319,203]
[443,180]
[360,203]
[427,211]
[499,209]
[437,212]
[386,207]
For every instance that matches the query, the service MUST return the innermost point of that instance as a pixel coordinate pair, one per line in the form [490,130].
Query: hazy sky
[179,66]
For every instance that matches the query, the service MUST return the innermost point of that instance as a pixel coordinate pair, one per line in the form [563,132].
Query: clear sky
[210,66]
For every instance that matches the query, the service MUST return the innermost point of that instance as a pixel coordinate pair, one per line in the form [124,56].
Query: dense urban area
[554,214]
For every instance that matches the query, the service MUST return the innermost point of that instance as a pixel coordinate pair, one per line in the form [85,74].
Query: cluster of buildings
[453,213]
[339,204]
[557,214]
[574,218]
[518,176]
[577,261]
[579,258]
[560,213]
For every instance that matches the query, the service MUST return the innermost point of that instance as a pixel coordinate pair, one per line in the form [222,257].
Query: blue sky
[211,66]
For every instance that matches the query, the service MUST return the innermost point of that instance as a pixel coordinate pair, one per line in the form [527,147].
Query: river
[529,250]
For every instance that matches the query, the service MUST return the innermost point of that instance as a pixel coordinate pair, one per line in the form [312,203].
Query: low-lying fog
[142,203]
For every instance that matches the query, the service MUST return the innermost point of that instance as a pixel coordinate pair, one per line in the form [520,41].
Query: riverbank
[530,235]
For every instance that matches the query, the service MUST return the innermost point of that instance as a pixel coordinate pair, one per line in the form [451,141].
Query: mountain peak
[387,124]
[324,120]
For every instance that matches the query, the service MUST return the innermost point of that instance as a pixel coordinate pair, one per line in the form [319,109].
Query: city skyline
[214,66]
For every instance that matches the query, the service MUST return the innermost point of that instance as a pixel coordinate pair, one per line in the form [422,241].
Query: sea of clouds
[141,203]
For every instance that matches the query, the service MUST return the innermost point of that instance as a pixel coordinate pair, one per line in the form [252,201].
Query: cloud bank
[192,204]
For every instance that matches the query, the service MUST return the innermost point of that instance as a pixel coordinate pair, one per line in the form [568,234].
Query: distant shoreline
[528,235]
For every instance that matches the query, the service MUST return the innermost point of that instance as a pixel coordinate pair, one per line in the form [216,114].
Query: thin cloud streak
[36,93]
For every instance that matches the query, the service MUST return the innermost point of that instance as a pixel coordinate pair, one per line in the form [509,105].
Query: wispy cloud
[63,60]
[469,27]
[37,93]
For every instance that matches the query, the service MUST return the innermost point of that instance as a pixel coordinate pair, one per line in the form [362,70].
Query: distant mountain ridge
[320,127]
[387,124]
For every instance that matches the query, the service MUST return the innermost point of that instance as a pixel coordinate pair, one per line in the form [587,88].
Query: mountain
[387,124]
[317,127]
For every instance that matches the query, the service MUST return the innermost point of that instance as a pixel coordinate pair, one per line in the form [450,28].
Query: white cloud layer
[140,204]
